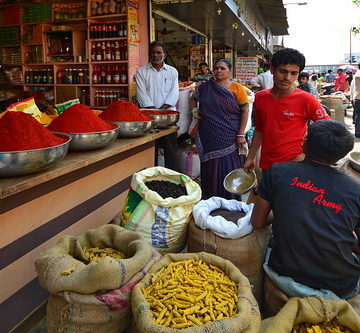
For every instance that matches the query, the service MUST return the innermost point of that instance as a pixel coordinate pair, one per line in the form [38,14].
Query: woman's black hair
[314,77]
[227,62]
[303,74]
[156,43]
[288,56]
[328,141]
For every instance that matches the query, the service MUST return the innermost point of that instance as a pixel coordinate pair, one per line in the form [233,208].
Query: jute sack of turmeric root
[91,278]
[311,314]
[193,293]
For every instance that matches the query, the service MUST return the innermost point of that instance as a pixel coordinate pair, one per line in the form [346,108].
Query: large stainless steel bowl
[24,162]
[354,158]
[132,129]
[91,140]
[163,121]
[239,182]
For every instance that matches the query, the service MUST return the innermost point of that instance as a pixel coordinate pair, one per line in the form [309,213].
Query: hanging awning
[229,21]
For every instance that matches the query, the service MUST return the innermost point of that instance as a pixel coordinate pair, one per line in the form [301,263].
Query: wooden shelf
[11,25]
[71,85]
[10,45]
[38,64]
[98,107]
[71,20]
[106,39]
[108,62]
[31,44]
[69,63]
[39,84]
[11,65]
[110,85]
[107,17]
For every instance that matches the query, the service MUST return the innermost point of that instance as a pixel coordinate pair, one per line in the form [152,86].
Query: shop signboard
[245,68]
[134,45]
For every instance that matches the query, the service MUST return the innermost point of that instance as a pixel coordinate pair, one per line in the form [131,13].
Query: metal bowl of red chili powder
[24,162]
[162,118]
[91,140]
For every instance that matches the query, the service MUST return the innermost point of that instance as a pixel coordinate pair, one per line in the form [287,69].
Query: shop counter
[84,191]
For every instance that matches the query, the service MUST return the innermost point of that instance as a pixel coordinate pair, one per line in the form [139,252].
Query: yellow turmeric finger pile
[95,254]
[320,328]
[191,293]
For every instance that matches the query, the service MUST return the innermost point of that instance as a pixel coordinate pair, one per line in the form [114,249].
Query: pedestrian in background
[205,73]
[263,80]
[304,83]
[355,98]
[329,77]
[340,82]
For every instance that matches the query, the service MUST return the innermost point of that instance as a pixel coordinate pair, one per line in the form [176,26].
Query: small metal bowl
[91,140]
[24,162]
[132,129]
[239,182]
[354,159]
[163,121]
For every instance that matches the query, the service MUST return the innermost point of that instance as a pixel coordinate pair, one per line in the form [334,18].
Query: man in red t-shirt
[282,113]
[340,83]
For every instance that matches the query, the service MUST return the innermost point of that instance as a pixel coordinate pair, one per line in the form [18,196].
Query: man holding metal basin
[157,88]
[282,114]
[316,226]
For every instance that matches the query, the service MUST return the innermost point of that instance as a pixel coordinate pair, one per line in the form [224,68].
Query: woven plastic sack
[163,222]
[95,297]
[314,310]
[246,320]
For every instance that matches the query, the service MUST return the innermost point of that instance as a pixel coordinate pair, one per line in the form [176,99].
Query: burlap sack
[247,320]
[275,299]
[246,253]
[311,309]
[95,297]
[108,274]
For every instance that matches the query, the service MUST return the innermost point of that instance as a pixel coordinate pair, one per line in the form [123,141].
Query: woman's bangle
[241,135]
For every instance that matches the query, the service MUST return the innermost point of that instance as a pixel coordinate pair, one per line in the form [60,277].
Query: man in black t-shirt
[316,209]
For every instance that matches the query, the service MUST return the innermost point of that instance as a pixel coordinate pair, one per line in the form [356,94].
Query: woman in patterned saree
[223,108]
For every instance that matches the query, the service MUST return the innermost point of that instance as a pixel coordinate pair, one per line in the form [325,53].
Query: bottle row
[106,97]
[109,51]
[108,30]
[45,76]
[69,11]
[116,74]
[72,76]
[108,7]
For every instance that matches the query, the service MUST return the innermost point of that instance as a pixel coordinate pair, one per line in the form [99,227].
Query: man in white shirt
[157,88]
[263,80]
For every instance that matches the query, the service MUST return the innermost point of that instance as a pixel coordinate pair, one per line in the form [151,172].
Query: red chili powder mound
[123,111]
[79,118]
[149,112]
[21,131]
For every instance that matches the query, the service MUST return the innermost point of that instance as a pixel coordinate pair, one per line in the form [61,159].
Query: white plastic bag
[219,225]
[183,107]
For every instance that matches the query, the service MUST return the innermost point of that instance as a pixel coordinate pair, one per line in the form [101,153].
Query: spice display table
[83,191]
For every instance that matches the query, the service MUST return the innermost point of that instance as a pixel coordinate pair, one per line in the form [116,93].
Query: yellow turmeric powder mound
[191,293]
[320,328]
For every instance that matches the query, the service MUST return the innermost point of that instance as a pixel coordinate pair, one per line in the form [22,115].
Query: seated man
[316,209]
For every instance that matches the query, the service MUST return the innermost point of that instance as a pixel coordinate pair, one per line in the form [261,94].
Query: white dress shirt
[263,80]
[355,86]
[155,88]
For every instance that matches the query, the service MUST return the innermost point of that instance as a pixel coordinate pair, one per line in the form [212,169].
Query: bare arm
[255,146]
[356,246]
[243,121]
[260,213]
